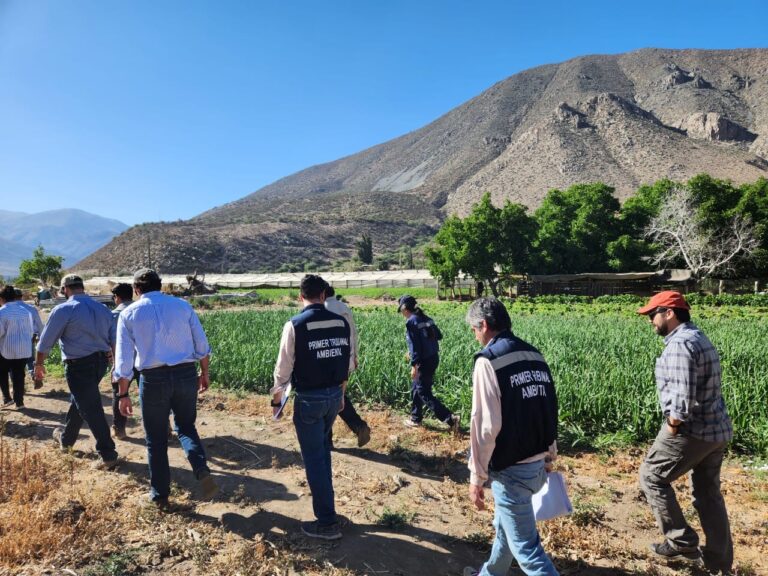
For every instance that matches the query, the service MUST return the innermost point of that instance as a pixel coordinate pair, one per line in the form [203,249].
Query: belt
[166,367]
[84,359]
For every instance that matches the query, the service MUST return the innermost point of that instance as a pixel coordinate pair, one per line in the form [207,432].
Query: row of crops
[601,355]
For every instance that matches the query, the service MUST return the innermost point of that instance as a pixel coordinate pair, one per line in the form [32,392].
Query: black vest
[528,400]
[322,349]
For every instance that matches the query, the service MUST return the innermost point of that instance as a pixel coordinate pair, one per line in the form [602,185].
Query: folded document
[552,500]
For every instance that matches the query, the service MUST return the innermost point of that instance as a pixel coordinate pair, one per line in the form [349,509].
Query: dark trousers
[350,416]
[118,419]
[16,370]
[421,392]
[83,376]
[162,390]
[671,457]
[313,414]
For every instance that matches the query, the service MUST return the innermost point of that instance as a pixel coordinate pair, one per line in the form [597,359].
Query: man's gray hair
[492,311]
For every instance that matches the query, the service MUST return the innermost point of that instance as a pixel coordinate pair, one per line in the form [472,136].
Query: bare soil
[403,500]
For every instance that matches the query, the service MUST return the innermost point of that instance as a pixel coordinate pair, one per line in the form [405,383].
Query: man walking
[422,336]
[348,414]
[693,437]
[512,435]
[122,296]
[165,337]
[37,325]
[16,329]
[315,356]
[85,333]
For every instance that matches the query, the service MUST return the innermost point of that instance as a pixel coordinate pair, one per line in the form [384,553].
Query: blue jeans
[313,414]
[421,392]
[516,534]
[83,376]
[160,391]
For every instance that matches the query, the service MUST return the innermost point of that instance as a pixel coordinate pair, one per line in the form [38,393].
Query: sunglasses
[652,314]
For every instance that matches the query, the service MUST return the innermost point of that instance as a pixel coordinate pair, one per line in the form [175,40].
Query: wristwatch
[275,404]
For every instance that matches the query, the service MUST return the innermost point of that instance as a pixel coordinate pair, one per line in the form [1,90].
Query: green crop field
[601,355]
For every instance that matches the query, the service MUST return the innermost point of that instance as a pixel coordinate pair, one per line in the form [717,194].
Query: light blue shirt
[37,323]
[15,332]
[81,325]
[162,330]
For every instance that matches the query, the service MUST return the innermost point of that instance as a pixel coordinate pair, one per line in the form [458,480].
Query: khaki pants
[671,457]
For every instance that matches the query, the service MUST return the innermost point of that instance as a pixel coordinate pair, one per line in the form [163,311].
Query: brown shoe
[363,436]
[119,433]
[208,486]
[105,464]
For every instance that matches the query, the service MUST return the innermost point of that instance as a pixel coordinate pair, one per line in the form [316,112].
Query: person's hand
[39,372]
[414,371]
[277,399]
[341,406]
[548,464]
[203,382]
[672,430]
[126,407]
[477,496]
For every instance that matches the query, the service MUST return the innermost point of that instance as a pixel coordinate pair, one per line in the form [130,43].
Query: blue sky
[146,110]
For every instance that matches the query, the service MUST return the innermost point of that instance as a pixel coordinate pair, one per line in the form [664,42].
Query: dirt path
[402,498]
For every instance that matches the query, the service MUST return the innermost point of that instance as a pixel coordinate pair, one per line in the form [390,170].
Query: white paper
[552,500]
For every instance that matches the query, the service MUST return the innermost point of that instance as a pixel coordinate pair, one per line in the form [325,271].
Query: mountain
[70,233]
[624,119]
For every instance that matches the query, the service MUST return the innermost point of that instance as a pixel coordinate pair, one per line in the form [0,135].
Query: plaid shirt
[688,380]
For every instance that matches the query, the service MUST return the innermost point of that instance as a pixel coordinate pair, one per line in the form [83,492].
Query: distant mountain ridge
[624,119]
[71,233]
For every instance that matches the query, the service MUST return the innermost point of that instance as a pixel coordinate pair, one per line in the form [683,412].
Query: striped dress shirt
[161,330]
[37,323]
[16,330]
[688,378]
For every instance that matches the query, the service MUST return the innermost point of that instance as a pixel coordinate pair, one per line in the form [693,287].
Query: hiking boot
[7,401]
[160,503]
[119,433]
[106,464]
[363,436]
[208,485]
[411,423]
[314,530]
[665,550]
[469,571]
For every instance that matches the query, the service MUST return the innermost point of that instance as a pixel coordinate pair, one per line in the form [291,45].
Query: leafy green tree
[445,256]
[488,243]
[754,205]
[575,227]
[631,252]
[43,268]
[365,249]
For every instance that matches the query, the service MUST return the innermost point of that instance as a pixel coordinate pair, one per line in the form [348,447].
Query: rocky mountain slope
[68,232]
[623,119]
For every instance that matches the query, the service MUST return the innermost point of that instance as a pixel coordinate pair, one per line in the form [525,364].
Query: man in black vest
[512,437]
[315,358]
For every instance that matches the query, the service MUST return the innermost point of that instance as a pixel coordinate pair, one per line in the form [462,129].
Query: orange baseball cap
[666,299]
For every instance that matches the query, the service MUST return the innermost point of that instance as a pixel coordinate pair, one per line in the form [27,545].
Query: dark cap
[406,301]
[71,280]
[145,276]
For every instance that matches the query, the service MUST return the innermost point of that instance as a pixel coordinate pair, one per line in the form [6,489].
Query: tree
[41,268]
[490,241]
[365,249]
[630,251]
[704,245]
[575,228]
[446,255]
